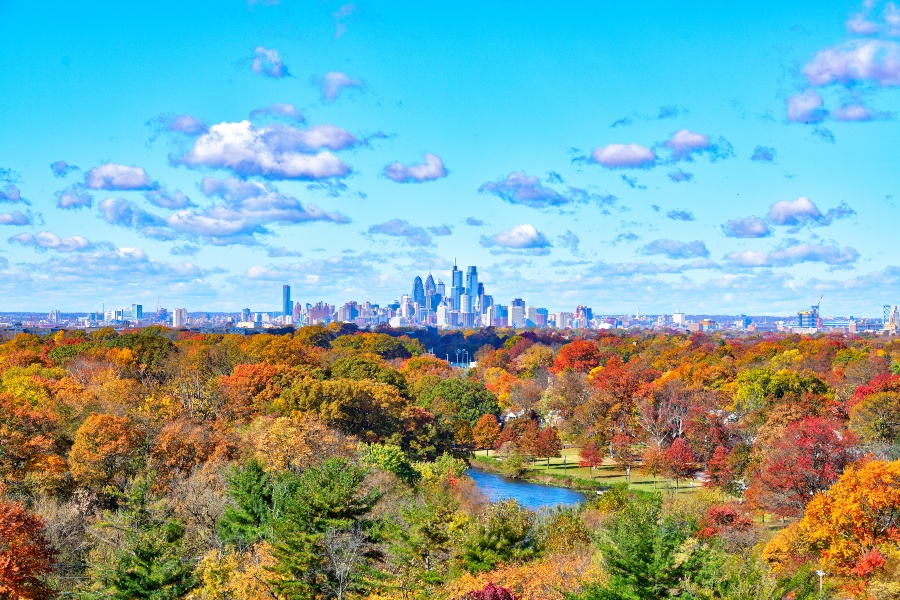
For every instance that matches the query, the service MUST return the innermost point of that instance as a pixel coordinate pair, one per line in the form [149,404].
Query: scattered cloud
[665,112]
[16,218]
[184,250]
[679,176]
[806,107]
[474,222]
[278,252]
[274,151]
[520,237]
[632,182]
[333,83]
[750,227]
[870,61]
[763,154]
[628,236]
[113,176]
[11,194]
[162,198]
[431,169]
[342,18]
[624,156]
[858,112]
[792,255]
[414,235]
[685,143]
[172,123]
[266,62]
[118,265]
[680,215]
[61,168]
[676,250]
[248,210]
[803,211]
[527,190]
[47,240]
[74,196]
[279,110]
[569,240]
[441,230]
[824,134]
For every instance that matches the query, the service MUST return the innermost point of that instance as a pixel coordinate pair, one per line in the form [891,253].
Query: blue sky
[650,156]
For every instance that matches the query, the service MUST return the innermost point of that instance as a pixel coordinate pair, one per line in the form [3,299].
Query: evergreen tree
[318,535]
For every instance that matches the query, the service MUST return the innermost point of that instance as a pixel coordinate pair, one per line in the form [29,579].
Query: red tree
[680,461]
[25,554]
[808,458]
[718,471]
[548,444]
[590,457]
[578,355]
[491,592]
[528,438]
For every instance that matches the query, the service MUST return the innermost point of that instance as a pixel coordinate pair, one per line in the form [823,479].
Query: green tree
[646,555]
[151,559]
[319,536]
[503,533]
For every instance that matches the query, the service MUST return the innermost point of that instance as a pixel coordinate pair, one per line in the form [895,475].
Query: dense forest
[330,463]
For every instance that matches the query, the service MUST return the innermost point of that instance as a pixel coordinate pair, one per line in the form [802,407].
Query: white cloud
[431,169]
[806,107]
[274,151]
[335,82]
[47,240]
[267,62]
[868,61]
[624,156]
[750,227]
[792,255]
[113,176]
[519,237]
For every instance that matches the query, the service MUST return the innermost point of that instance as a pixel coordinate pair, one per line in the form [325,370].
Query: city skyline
[652,157]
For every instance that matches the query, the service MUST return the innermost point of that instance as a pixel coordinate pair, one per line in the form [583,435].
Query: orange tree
[26,555]
[852,529]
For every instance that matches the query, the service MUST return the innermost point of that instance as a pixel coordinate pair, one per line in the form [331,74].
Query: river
[530,495]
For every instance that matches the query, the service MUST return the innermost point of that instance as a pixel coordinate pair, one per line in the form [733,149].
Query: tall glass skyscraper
[418,294]
[472,282]
[456,285]
[287,309]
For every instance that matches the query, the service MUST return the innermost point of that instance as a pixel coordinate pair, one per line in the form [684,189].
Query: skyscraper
[418,292]
[456,285]
[472,282]
[286,306]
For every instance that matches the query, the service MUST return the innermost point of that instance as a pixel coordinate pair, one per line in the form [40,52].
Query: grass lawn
[567,464]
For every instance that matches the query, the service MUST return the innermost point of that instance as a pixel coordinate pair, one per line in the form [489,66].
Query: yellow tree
[853,528]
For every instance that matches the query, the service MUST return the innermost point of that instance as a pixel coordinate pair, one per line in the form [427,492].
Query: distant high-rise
[179,318]
[472,282]
[137,312]
[418,292]
[429,285]
[287,308]
[465,303]
[245,314]
[456,285]
[440,288]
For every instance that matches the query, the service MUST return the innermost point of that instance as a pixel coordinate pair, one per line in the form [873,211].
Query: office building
[179,318]
[418,293]
[286,305]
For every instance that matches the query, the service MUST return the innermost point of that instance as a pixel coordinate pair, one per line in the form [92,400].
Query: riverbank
[563,471]
[489,464]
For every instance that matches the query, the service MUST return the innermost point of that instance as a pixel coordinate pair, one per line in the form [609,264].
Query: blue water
[530,495]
